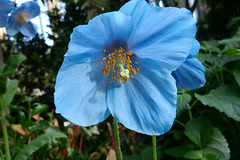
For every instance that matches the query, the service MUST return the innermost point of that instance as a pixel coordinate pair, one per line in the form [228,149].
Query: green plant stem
[193,104]
[12,47]
[117,139]
[154,146]
[189,112]
[4,130]
[180,123]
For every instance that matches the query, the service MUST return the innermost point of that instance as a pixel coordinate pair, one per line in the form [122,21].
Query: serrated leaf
[182,101]
[218,145]
[12,64]
[196,154]
[198,130]
[225,99]
[178,152]
[236,73]
[37,143]
[11,89]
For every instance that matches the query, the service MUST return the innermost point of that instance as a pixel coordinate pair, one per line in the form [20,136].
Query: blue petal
[27,29]
[108,31]
[32,7]
[80,93]
[6,7]
[146,103]
[195,49]
[163,34]
[11,26]
[190,74]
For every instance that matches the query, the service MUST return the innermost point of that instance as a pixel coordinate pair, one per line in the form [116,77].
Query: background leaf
[10,93]
[199,130]
[197,154]
[218,145]
[37,143]
[182,101]
[12,64]
[178,152]
[225,98]
[236,73]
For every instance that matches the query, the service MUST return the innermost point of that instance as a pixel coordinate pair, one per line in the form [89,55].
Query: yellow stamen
[119,60]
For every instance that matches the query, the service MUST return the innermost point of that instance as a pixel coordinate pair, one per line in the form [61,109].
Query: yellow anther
[137,63]
[118,66]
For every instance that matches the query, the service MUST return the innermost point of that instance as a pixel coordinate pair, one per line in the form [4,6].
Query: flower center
[119,66]
[22,17]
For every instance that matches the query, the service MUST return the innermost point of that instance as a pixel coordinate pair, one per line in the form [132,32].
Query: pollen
[118,65]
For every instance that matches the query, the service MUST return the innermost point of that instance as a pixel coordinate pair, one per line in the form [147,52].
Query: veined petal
[27,29]
[11,26]
[108,31]
[195,49]
[80,93]
[147,103]
[190,75]
[163,34]
[32,7]
[6,7]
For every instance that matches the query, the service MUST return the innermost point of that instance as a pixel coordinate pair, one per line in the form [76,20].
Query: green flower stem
[154,147]
[189,112]
[4,130]
[117,139]
[180,123]
[12,47]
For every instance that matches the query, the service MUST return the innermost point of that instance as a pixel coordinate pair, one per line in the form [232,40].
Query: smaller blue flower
[20,19]
[6,7]
[190,74]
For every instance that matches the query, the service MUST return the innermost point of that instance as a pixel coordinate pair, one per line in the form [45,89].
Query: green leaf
[218,145]
[210,156]
[12,64]
[230,43]
[178,152]
[182,101]
[225,98]
[198,130]
[236,73]
[232,52]
[3,87]
[39,109]
[233,22]
[211,46]
[11,89]
[37,143]
[196,154]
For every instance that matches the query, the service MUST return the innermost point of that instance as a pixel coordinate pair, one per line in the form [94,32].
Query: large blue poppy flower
[20,19]
[6,7]
[190,74]
[120,64]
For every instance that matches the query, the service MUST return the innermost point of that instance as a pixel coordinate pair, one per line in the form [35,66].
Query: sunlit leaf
[12,64]
[196,154]
[7,97]
[37,143]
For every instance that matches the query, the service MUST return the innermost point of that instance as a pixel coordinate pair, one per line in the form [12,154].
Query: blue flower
[20,19]
[190,74]
[6,7]
[120,63]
